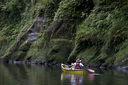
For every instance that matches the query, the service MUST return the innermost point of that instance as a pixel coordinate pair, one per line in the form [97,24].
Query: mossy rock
[14,47]
[7,56]
[121,56]
[58,50]
[25,46]
[20,56]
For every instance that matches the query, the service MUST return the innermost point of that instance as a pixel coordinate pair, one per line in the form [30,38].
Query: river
[20,74]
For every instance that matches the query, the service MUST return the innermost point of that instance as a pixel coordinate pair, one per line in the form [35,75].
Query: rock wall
[64,30]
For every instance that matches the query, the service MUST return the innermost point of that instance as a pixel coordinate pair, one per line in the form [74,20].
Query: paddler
[78,64]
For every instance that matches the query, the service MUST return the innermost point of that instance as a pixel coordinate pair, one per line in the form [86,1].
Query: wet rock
[125,67]
[103,67]
[24,47]
[32,36]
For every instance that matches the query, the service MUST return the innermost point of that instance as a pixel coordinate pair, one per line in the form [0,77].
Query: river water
[19,74]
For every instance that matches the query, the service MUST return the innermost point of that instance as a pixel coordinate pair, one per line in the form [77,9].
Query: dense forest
[55,31]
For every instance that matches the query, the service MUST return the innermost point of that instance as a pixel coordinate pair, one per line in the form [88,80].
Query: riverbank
[112,67]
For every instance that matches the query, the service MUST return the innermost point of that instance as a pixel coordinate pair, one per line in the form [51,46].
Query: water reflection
[19,74]
[12,74]
[75,79]
[90,77]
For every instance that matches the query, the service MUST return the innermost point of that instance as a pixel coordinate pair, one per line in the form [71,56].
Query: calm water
[15,74]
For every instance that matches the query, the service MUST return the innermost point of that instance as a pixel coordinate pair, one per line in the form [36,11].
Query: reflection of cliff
[4,75]
[74,79]
[15,73]
[19,74]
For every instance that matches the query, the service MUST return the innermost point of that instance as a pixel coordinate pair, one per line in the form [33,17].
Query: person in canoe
[78,64]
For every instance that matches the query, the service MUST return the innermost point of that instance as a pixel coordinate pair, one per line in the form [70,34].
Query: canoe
[65,68]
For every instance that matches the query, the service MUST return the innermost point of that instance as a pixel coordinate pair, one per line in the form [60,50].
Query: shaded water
[17,74]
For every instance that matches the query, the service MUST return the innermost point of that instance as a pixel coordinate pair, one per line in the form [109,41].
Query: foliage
[97,28]
[107,30]
[16,17]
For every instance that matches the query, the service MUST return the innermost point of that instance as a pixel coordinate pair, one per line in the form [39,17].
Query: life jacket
[77,65]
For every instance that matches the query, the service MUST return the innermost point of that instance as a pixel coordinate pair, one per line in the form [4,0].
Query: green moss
[36,49]
[107,30]
[122,54]
[68,9]
[20,56]
[24,47]
[87,55]
[59,50]
[13,27]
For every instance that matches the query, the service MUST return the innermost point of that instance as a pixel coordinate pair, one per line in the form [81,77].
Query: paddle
[90,70]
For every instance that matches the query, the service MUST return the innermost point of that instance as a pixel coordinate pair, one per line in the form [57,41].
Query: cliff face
[63,30]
